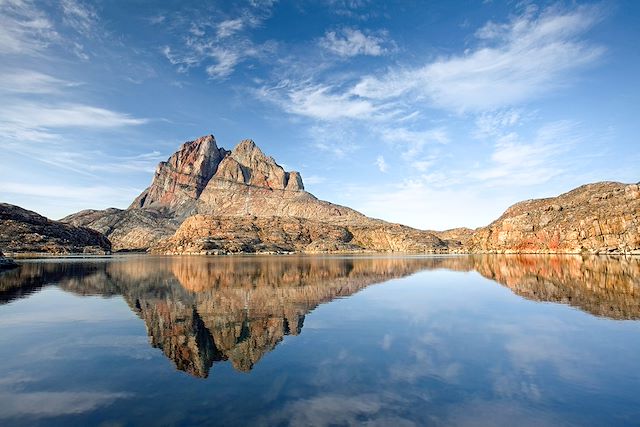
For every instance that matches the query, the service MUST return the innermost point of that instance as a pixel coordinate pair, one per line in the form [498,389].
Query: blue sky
[432,114]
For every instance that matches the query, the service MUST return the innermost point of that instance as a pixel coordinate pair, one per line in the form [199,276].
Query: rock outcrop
[595,218]
[24,231]
[206,234]
[178,182]
[242,201]
[130,229]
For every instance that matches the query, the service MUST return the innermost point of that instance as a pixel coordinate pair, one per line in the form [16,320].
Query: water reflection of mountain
[202,310]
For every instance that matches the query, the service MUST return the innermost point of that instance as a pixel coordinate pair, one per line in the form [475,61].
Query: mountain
[595,218]
[208,200]
[24,231]
[205,199]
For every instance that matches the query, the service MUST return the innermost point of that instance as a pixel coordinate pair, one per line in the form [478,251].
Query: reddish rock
[596,218]
[178,182]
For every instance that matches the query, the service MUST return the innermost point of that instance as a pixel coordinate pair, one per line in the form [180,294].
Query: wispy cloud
[80,16]
[70,192]
[318,101]
[512,63]
[24,29]
[347,42]
[493,123]
[336,140]
[29,81]
[31,115]
[413,141]
[230,27]
[517,161]
[219,46]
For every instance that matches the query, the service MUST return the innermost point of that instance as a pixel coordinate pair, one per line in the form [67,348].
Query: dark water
[463,341]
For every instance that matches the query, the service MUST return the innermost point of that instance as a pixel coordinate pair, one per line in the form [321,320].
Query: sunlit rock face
[595,218]
[202,310]
[23,231]
[179,181]
[205,234]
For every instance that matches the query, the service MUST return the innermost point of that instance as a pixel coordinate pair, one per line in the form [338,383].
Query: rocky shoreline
[6,263]
[206,200]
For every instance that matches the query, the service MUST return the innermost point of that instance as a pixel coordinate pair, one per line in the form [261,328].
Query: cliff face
[595,218]
[22,231]
[178,182]
[241,201]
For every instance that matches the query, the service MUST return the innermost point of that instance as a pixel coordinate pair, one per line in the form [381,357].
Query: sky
[434,114]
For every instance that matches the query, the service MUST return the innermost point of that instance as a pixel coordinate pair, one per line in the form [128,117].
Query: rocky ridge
[595,218]
[24,231]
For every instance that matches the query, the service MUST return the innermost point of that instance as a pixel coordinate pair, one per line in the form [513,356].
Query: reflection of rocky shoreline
[202,310]
[602,286]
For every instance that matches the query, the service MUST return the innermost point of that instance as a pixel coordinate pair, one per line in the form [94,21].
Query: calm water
[463,341]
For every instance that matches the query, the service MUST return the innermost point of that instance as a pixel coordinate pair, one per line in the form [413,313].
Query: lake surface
[462,341]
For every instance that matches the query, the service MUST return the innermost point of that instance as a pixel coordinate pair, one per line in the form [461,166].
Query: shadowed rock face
[242,186]
[200,311]
[595,218]
[23,231]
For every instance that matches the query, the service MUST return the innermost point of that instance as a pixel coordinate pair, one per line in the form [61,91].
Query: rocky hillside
[230,195]
[23,231]
[206,234]
[595,218]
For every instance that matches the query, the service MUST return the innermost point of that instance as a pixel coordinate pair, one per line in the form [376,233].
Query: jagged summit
[179,182]
[184,175]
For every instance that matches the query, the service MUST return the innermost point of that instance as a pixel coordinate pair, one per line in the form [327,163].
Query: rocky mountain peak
[248,154]
[184,175]
[247,164]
